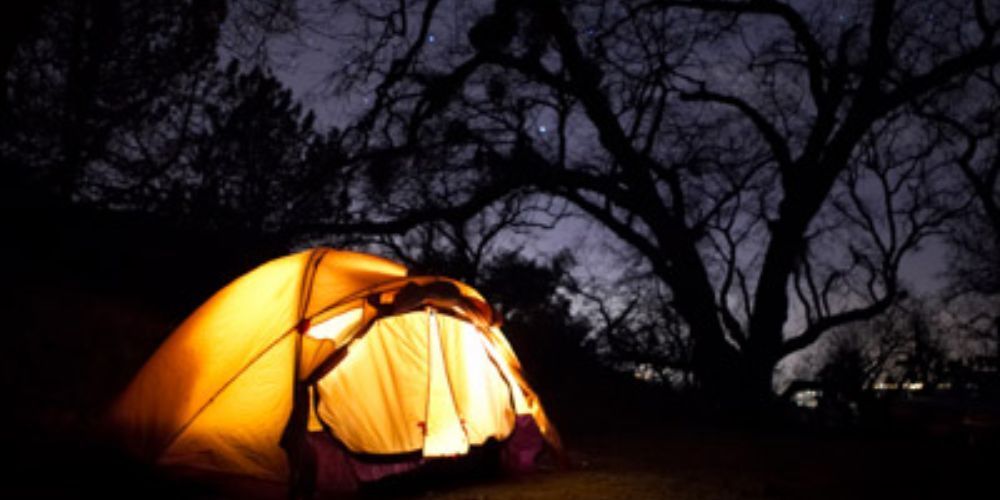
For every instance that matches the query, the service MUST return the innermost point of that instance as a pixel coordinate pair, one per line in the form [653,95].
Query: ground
[692,463]
[678,462]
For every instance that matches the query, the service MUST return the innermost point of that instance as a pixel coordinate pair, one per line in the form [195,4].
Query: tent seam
[304,290]
[222,389]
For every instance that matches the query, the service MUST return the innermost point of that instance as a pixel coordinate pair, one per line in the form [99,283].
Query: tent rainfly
[336,368]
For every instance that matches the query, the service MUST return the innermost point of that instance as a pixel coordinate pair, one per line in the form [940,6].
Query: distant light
[542,129]
[913,386]
[431,38]
[644,372]
[808,398]
[591,32]
[885,386]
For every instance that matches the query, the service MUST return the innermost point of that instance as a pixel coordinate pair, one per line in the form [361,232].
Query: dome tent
[330,350]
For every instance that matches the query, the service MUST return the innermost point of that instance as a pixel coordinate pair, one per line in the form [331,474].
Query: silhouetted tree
[243,160]
[538,316]
[904,345]
[85,73]
[760,156]
[464,247]
[122,106]
[973,132]
[637,330]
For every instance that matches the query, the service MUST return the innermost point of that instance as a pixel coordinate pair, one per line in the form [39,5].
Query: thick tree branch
[941,74]
[814,53]
[585,85]
[823,325]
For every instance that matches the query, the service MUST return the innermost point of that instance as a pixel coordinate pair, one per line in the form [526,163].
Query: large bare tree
[766,159]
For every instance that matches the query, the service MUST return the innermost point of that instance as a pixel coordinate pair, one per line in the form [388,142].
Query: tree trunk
[736,379]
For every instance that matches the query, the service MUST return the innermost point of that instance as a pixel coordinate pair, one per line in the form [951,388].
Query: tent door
[444,433]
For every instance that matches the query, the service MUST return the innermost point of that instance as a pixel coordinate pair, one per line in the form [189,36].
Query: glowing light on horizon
[808,398]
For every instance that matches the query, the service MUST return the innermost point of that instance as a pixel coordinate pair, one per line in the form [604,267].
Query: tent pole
[301,462]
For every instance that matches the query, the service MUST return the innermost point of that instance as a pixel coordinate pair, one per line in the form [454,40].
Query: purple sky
[305,63]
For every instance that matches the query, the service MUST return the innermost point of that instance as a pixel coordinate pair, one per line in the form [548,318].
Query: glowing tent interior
[332,364]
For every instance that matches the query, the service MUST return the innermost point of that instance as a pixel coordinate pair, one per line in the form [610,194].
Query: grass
[690,462]
[679,462]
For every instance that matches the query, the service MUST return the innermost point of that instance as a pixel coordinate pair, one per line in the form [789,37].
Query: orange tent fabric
[394,364]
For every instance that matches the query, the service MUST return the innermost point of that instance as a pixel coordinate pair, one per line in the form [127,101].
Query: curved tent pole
[301,460]
[180,430]
[304,291]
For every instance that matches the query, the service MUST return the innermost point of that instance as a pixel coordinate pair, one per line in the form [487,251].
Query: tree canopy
[768,161]
[762,168]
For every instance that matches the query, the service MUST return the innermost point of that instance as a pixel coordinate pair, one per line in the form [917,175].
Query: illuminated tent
[324,354]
